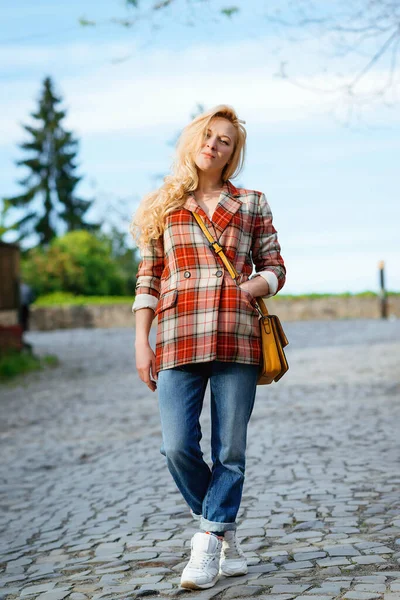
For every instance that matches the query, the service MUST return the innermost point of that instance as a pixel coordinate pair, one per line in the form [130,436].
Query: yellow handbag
[273,363]
[273,340]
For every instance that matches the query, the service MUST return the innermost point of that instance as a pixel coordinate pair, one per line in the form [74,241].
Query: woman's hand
[256,286]
[146,364]
[145,357]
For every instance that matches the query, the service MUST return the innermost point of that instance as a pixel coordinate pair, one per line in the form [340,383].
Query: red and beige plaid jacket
[203,314]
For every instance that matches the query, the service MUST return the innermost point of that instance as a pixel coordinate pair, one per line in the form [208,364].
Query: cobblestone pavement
[89,510]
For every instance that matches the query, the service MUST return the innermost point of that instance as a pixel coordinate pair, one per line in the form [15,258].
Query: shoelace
[234,550]
[200,561]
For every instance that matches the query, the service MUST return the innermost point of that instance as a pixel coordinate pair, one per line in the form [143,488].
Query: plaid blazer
[202,314]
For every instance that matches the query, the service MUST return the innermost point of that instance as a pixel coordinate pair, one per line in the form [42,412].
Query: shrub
[15,363]
[78,262]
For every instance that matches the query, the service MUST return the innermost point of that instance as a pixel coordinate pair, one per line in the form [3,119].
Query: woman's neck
[209,184]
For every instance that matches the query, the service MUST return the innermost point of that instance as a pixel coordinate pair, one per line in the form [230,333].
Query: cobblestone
[305,564]
[355,595]
[329,562]
[379,550]
[370,587]
[91,512]
[317,597]
[53,595]
[277,597]
[341,550]
[271,581]
[368,560]
[36,589]
[242,591]
[395,587]
[294,589]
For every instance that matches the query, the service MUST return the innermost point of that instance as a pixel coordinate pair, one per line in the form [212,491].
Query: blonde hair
[149,221]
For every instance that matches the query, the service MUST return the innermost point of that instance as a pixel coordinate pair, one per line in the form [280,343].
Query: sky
[330,175]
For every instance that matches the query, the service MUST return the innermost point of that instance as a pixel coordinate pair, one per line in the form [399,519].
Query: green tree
[51,176]
[126,257]
[78,262]
[4,211]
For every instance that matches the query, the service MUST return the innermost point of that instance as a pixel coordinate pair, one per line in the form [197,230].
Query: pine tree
[52,175]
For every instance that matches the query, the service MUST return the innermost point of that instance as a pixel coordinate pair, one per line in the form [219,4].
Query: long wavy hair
[149,221]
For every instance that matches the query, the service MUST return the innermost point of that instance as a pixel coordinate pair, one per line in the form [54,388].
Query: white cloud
[357,273]
[125,112]
[158,88]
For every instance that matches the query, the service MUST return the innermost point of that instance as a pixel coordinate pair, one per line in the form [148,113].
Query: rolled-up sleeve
[266,250]
[149,275]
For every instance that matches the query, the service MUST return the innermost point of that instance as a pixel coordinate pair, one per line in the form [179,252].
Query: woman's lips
[207,155]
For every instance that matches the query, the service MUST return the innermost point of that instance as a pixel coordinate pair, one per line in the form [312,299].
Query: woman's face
[217,147]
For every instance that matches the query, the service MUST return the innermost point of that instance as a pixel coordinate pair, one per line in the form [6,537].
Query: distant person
[208,327]
[26,297]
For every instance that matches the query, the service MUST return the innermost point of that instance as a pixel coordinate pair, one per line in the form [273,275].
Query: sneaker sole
[235,574]
[191,585]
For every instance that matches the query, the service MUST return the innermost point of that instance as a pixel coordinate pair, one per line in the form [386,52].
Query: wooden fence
[9,276]
[10,331]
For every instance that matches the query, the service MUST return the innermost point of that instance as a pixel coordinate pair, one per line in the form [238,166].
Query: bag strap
[217,248]
[262,308]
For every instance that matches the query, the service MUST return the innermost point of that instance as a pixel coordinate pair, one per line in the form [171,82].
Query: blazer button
[219,273]
[187,274]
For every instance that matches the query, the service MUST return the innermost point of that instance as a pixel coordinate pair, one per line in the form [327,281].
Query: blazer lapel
[191,204]
[228,204]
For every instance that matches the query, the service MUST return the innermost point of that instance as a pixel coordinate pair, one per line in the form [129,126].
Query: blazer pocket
[249,299]
[248,295]
[167,300]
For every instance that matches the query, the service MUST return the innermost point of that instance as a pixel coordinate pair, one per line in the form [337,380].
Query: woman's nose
[211,142]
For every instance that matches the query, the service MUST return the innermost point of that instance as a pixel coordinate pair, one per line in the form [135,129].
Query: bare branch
[377,56]
[364,32]
[162,4]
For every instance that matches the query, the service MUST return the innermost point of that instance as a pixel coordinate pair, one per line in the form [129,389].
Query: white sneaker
[202,569]
[233,561]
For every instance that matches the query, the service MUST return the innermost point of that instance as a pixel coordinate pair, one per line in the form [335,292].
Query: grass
[14,363]
[314,296]
[68,299]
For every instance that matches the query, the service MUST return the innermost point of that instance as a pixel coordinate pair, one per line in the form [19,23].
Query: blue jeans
[215,493]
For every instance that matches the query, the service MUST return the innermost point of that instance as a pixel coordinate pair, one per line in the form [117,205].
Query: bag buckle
[239,279]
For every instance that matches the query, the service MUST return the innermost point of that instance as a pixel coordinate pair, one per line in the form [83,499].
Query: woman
[208,326]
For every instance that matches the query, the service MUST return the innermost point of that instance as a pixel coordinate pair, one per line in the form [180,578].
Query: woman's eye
[225,142]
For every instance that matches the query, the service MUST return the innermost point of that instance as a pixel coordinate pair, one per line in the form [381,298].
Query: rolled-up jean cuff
[206,525]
